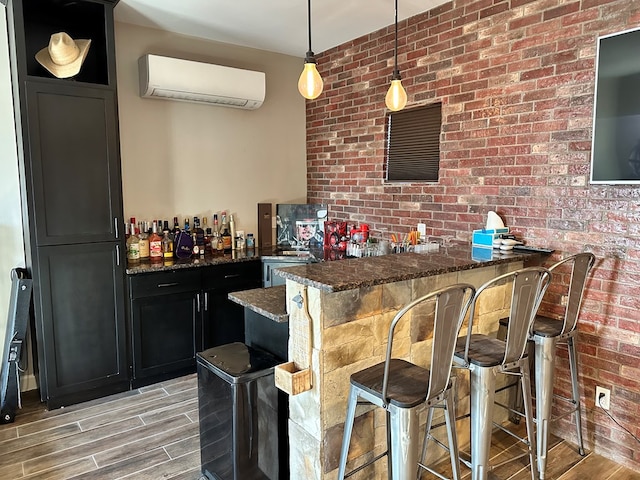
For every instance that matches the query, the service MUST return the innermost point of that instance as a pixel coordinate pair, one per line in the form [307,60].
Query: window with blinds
[413,144]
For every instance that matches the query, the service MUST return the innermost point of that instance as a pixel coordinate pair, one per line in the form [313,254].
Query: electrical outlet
[606,397]
[564,300]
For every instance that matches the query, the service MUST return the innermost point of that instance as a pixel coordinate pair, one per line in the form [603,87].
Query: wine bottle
[216,241]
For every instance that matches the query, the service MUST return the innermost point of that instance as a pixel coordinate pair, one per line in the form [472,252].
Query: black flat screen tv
[615,150]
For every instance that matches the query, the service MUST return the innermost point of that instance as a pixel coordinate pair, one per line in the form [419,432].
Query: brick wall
[516,79]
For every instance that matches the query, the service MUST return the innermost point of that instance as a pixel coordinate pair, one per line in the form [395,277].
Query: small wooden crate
[292,380]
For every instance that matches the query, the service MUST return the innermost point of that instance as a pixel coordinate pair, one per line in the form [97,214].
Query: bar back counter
[339,317]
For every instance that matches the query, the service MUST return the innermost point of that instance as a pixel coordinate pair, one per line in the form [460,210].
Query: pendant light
[396,98]
[310,82]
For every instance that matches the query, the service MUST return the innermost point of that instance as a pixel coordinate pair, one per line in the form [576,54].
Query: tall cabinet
[72,199]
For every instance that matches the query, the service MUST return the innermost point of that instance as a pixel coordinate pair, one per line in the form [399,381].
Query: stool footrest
[366,464]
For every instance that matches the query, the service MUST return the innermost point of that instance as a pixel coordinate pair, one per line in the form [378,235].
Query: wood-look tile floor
[152,433]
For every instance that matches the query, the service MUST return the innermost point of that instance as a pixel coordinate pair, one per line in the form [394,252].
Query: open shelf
[80,20]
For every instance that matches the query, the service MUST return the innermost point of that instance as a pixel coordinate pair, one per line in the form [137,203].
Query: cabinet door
[80,316]
[75,167]
[223,320]
[163,336]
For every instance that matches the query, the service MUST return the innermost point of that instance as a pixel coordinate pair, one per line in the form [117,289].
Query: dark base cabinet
[175,314]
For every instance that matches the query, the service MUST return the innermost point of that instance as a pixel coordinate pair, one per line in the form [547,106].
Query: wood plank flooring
[152,433]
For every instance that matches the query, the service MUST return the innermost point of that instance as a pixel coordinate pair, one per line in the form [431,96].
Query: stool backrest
[582,265]
[528,287]
[451,306]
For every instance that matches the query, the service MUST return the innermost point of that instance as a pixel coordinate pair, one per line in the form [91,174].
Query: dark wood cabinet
[82,325]
[75,165]
[223,320]
[175,314]
[71,186]
[165,321]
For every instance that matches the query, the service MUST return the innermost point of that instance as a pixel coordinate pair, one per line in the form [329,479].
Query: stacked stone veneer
[349,334]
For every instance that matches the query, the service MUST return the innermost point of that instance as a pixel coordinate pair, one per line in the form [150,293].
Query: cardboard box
[485,237]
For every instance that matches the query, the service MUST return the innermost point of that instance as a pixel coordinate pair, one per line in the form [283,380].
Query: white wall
[187,159]
[11,238]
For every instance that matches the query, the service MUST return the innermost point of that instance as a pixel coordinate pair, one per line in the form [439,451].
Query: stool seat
[407,382]
[483,351]
[547,326]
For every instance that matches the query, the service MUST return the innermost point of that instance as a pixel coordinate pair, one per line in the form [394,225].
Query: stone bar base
[349,333]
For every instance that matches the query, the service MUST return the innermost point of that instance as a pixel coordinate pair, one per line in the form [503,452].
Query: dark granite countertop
[269,302]
[146,266]
[363,272]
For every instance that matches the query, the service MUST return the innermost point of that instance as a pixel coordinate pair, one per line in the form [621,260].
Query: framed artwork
[615,152]
[300,226]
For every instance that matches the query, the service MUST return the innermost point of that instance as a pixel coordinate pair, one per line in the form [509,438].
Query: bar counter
[339,316]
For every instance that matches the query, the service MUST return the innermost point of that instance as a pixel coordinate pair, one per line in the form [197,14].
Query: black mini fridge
[243,417]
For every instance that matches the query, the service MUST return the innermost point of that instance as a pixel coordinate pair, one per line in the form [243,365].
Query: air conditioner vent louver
[189,81]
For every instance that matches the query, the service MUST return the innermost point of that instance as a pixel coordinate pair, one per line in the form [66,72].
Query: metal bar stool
[401,388]
[485,356]
[547,333]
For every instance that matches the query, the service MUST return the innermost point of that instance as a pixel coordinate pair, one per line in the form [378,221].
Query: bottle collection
[156,242]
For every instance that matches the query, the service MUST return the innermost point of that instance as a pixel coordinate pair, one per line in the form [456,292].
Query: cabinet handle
[198,302]
[115,224]
[206,301]
[172,284]
[118,255]
[232,276]
[268,273]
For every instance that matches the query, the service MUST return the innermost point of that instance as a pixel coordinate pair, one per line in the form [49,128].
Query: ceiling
[273,25]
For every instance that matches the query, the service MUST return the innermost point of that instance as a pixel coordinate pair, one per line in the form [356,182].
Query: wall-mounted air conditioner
[189,81]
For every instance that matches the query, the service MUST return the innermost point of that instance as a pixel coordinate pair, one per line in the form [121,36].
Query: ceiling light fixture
[310,82]
[396,98]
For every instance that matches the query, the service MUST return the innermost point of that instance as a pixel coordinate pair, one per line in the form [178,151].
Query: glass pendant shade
[396,98]
[310,83]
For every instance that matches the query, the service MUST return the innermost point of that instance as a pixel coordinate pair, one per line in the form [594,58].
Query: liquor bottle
[198,235]
[216,243]
[187,228]
[232,228]
[167,245]
[143,245]
[165,227]
[155,244]
[207,236]
[176,227]
[133,244]
[225,236]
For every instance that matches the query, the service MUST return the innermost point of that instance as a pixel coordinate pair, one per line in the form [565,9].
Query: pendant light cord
[310,52]
[395,63]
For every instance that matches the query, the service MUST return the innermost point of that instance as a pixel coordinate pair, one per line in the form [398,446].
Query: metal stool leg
[483,381]
[573,365]
[528,413]
[348,428]
[450,418]
[405,434]
[545,356]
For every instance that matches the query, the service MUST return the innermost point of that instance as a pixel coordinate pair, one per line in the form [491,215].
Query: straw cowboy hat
[63,56]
